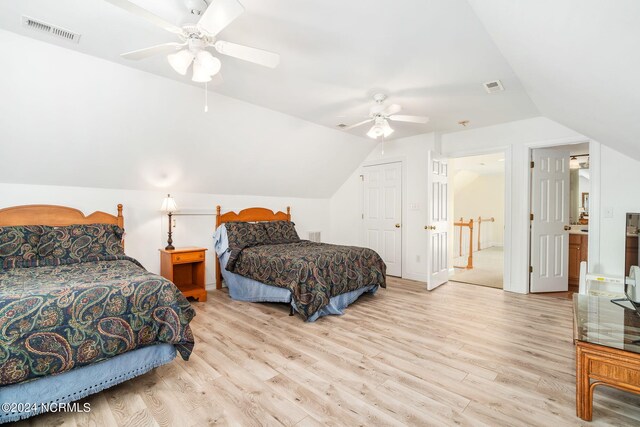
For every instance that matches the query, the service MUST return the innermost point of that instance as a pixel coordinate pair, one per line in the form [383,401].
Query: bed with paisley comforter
[78,316]
[267,261]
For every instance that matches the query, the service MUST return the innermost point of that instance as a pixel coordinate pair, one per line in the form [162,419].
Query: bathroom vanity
[578,252]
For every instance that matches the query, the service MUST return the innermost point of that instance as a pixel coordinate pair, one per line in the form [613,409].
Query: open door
[550,222]
[437,221]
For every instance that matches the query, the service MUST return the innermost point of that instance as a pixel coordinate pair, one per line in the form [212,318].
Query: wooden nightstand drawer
[187,257]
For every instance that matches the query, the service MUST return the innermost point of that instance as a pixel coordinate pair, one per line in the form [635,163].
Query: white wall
[346,204]
[516,138]
[146,227]
[484,196]
[67,118]
[619,180]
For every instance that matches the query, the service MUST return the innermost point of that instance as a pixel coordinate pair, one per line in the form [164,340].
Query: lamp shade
[380,128]
[181,60]
[168,204]
[208,62]
[375,131]
[200,73]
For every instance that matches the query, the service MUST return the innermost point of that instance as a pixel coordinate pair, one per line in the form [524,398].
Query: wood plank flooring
[460,355]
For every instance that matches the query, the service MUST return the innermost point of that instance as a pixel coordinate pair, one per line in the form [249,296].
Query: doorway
[382,218]
[478,206]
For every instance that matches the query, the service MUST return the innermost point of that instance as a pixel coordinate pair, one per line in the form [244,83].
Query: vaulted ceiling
[573,61]
[577,59]
[430,56]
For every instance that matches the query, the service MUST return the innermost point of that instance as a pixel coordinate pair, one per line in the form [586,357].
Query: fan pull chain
[382,145]
[206,98]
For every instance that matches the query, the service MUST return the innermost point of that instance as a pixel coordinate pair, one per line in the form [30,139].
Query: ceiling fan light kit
[181,60]
[197,38]
[380,128]
[200,74]
[380,116]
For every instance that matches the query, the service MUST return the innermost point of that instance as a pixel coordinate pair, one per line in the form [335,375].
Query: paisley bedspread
[56,318]
[313,272]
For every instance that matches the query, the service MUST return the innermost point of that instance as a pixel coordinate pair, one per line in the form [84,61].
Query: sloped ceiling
[578,61]
[430,56]
[78,114]
[67,118]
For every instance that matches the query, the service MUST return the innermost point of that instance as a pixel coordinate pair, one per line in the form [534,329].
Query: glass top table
[599,321]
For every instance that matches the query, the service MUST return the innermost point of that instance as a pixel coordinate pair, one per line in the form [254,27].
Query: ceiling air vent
[43,27]
[494,86]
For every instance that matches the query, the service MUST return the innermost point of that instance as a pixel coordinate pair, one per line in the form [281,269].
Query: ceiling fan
[380,116]
[194,39]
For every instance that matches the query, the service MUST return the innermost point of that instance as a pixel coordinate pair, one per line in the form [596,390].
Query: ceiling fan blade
[358,124]
[218,15]
[153,50]
[144,13]
[391,109]
[410,119]
[251,54]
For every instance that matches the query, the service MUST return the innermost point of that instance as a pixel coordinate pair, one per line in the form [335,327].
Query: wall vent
[494,86]
[43,27]
[315,236]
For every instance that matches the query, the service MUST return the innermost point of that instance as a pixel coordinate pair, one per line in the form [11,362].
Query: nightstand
[185,268]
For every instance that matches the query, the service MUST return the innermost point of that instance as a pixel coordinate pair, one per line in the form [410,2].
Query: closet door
[382,216]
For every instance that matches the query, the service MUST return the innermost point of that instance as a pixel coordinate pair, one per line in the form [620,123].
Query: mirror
[579,184]
[632,263]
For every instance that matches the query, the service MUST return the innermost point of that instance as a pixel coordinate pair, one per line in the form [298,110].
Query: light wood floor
[488,268]
[460,355]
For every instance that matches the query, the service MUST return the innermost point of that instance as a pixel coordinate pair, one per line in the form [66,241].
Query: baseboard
[415,276]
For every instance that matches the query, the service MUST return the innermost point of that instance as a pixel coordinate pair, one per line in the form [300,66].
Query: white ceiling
[486,164]
[430,56]
[577,59]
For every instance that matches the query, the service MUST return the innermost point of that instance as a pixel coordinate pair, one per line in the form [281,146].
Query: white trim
[595,172]
[478,152]
[403,214]
[507,239]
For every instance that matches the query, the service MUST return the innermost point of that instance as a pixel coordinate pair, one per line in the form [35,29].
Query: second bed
[262,259]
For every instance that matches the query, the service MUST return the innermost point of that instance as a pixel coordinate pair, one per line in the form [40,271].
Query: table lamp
[169,207]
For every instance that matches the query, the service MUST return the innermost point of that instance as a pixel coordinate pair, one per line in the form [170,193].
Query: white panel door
[383,213]
[550,208]
[437,221]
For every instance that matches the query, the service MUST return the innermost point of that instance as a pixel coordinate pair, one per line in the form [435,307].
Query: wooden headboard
[246,215]
[55,216]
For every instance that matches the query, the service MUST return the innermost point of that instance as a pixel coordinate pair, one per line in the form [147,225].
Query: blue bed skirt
[245,289]
[78,383]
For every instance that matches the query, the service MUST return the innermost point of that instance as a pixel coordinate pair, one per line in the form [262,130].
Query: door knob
[397,225]
[429,227]
[567,227]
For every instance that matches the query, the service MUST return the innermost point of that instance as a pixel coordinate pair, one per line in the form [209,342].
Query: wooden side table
[185,268]
[600,365]
[607,340]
